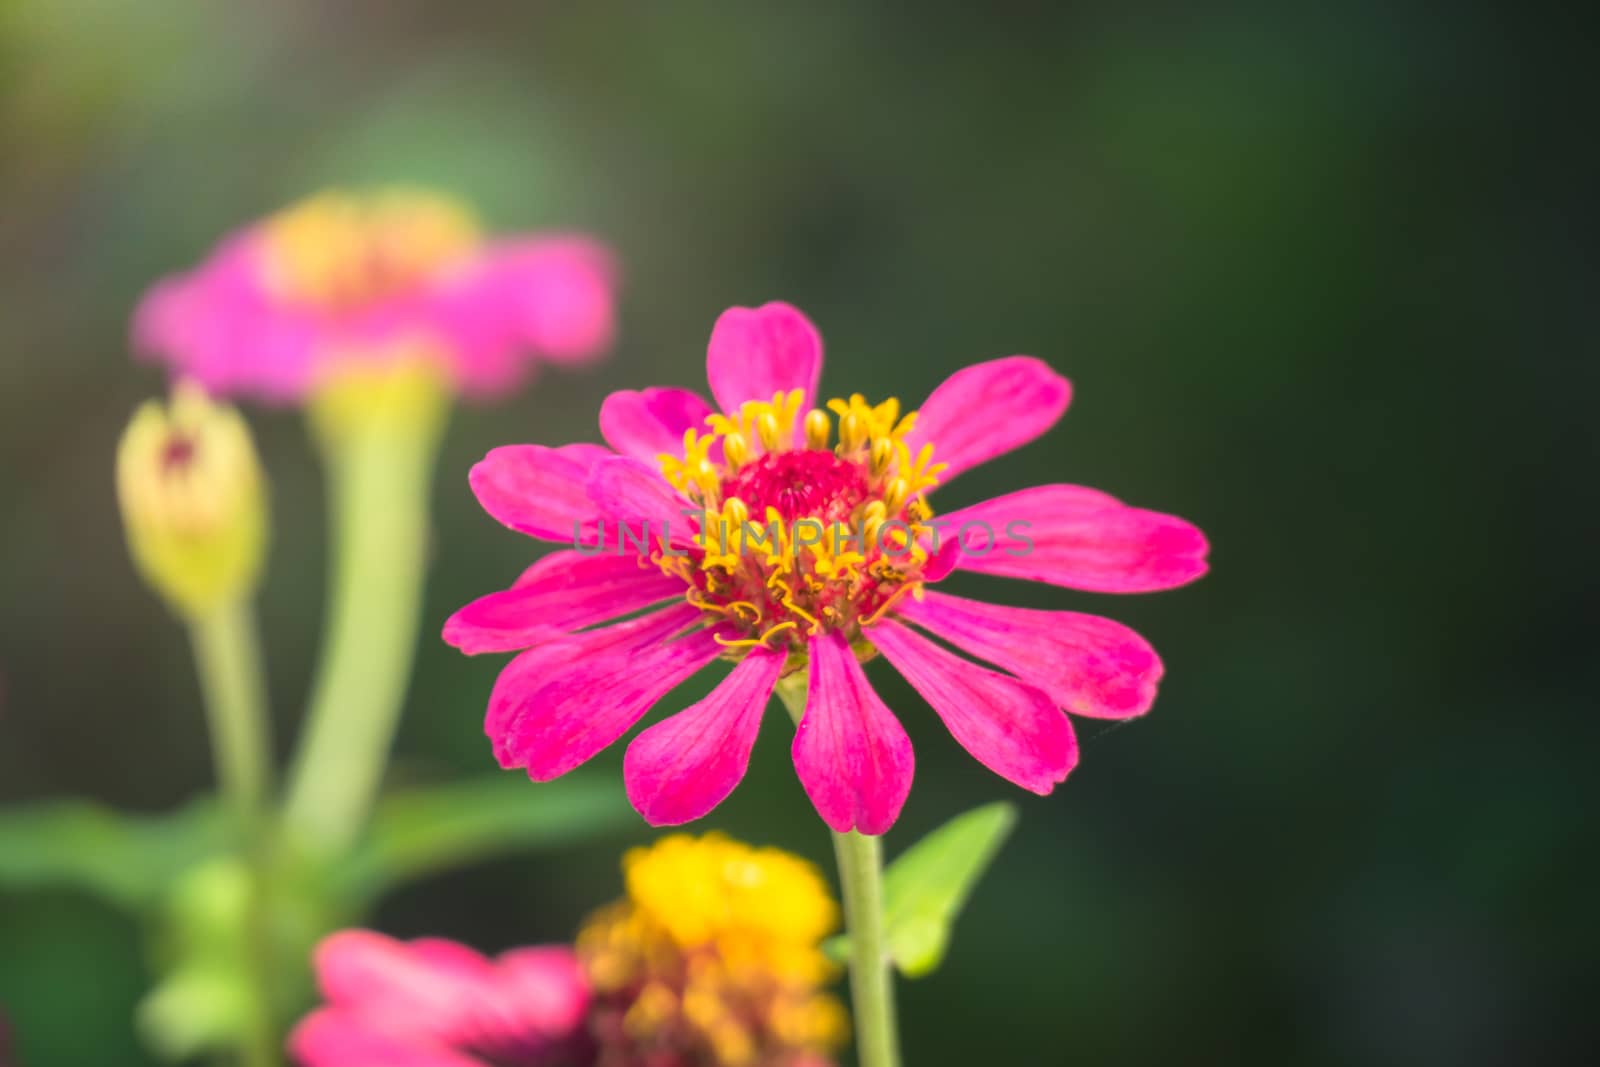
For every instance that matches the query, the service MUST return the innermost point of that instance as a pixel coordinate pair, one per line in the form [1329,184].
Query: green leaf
[129,860]
[421,831]
[925,888]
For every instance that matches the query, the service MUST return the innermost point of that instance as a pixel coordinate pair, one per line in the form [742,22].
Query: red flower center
[812,484]
[177,453]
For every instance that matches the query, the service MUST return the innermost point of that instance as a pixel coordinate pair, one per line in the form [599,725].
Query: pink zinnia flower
[343,278]
[436,1003]
[822,603]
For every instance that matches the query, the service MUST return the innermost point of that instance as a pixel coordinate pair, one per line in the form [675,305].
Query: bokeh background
[1323,281]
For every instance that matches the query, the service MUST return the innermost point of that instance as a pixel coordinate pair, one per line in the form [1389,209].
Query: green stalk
[860,859]
[228,658]
[379,472]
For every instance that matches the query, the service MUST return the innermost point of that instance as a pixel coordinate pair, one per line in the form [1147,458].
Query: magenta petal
[557,705]
[522,677]
[635,500]
[564,591]
[1010,727]
[645,424]
[757,352]
[1079,538]
[988,409]
[683,766]
[539,491]
[852,755]
[1089,665]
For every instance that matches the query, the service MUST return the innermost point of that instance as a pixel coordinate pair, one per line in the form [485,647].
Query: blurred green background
[1324,284]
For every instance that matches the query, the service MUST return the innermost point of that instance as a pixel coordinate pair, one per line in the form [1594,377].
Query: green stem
[860,859]
[228,657]
[378,482]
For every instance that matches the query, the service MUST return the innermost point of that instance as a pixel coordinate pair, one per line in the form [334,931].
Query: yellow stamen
[767,430]
[852,432]
[786,625]
[818,427]
[882,455]
[736,450]
[744,642]
[887,604]
[894,498]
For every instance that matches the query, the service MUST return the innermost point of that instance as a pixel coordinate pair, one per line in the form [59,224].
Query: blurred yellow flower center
[714,957]
[339,251]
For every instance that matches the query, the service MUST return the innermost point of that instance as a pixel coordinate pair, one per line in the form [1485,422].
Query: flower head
[436,1003]
[345,278]
[713,960]
[193,501]
[788,537]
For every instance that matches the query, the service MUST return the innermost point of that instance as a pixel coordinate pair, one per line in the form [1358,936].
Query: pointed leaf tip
[928,884]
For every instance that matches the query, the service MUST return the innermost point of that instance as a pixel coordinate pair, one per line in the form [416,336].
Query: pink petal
[645,424]
[1011,728]
[685,765]
[380,978]
[637,503]
[1089,665]
[446,957]
[521,674]
[565,293]
[987,409]
[511,305]
[562,592]
[539,491]
[332,1037]
[545,989]
[557,705]
[757,352]
[852,755]
[1079,538]
[220,325]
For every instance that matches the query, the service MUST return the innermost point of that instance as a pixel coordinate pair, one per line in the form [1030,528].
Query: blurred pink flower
[343,277]
[436,1003]
[821,598]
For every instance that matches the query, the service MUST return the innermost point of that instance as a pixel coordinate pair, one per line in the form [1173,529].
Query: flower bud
[193,501]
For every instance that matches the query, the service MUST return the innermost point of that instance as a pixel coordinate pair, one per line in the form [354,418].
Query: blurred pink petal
[436,1003]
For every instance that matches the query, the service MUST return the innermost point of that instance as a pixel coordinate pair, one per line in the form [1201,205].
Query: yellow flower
[714,958]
